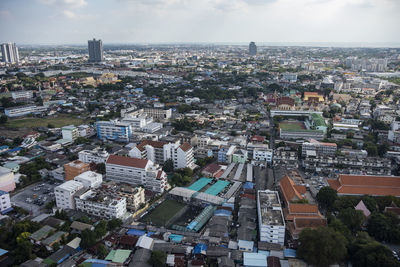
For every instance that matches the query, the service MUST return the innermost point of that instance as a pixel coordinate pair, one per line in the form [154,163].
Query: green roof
[318,119]
[119,255]
[199,184]
[217,187]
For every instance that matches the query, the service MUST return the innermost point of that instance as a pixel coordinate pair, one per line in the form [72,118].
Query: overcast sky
[154,21]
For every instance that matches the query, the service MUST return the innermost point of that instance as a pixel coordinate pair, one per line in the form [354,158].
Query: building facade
[65,192]
[70,132]
[90,179]
[96,156]
[114,130]
[10,53]
[75,168]
[252,49]
[95,48]
[5,203]
[7,182]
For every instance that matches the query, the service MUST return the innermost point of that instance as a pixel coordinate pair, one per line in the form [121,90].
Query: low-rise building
[70,132]
[64,194]
[5,203]
[101,205]
[90,179]
[114,130]
[270,217]
[21,95]
[75,168]
[96,156]
[316,148]
[158,113]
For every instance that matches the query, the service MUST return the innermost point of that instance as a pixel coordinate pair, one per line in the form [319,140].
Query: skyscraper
[9,53]
[252,49]
[95,50]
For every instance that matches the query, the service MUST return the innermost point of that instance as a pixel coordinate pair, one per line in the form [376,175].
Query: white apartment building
[137,122]
[90,179]
[114,130]
[21,95]
[152,127]
[97,156]
[203,141]
[182,155]
[65,192]
[270,217]
[5,203]
[101,205]
[315,148]
[136,171]
[70,132]
[260,154]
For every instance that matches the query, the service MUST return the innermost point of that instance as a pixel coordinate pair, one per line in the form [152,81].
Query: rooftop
[127,161]
[270,207]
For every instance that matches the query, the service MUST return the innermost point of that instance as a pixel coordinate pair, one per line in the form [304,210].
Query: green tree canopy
[322,246]
[157,258]
[326,197]
[352,218]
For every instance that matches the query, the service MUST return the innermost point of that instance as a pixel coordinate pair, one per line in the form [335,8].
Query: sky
[199,21]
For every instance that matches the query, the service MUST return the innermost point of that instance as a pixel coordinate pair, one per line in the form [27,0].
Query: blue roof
[6,211]
[264,252]
[3,251]
[223,212]
[135,232]
[14,149]
[199,248]
[289,253]
[176,238]
[248,185]
[3,192]
[4,147]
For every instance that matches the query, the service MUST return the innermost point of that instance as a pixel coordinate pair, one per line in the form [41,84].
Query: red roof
[157,144]
[366,185]
[127,161]
[185,147]
[289,190]
[212,168]
[258,138]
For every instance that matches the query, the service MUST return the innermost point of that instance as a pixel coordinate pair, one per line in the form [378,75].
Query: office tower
[10,53]
[252,49]
[95,50]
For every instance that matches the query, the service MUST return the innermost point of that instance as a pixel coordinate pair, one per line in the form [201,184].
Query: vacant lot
[57,121]
[163,212]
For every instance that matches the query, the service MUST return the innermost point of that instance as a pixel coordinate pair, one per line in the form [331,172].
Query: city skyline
[189,21]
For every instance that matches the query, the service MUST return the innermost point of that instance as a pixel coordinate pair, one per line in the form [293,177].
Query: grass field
[163,212]
[291,126]
[59,121]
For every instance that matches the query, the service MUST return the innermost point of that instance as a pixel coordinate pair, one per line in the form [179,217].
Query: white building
[65,192]
[23,110]
[114,130]
[316,148]
[90,179]
[97,156]
[182,155]
[158,113]
[265,155]
[21,95]
[270,217]
[152,127]
[9,53]
[137,122]
[203,141]
[5,203]
[70,132]
[136,172]
[101,205]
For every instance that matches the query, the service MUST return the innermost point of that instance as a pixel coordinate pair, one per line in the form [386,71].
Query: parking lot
[34,198]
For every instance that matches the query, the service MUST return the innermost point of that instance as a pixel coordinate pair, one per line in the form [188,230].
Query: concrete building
[136,172]
[101,205]
[149,149]
[21,95]
[9,53]
[252,49]
[70,132]
[95,48]
[5,203]
[158,113]
[182,155]
[316,148]
[75,168]
[134,194]
[90,179]
[65,192]
[265,155]
[114,130]
[270,217]
[23,110]
[96,156]
[7,182]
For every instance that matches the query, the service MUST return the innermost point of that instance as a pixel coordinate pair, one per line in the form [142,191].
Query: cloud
[69,14]
[5,13]
[65,3]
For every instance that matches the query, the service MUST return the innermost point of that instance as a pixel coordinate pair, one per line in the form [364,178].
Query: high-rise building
[252,49]
[9,53]
[95,50]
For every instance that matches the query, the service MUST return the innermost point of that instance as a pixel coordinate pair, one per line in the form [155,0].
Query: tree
[56,246]
[114,223]
[352,218]
[168,165]
[101,168]
[326,197]
[366,252]
[102,251]
[157,258]
[3,119]
[88,238]
[101,229]
[322,246]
